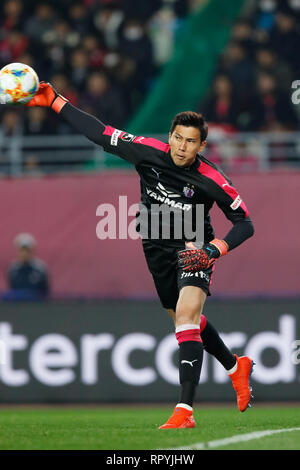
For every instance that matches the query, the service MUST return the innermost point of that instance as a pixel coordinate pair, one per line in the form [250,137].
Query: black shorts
[168,278]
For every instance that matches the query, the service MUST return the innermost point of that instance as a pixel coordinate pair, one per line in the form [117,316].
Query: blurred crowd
[251,89]
[101,54]
[104,56]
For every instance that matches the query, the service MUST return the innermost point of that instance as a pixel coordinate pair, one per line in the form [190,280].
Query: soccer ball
[18,83]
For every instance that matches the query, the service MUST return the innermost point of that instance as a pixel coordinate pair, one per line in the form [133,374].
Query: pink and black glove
[193,260]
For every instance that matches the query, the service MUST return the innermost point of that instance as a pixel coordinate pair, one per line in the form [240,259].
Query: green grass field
[136,428]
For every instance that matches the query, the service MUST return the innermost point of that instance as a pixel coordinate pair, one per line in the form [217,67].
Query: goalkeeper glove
[193,260]
[46,96]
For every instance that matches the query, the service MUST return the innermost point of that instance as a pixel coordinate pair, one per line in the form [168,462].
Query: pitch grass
[136,428]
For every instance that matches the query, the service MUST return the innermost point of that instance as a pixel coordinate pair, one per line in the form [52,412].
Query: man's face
[185,143]
[25,254]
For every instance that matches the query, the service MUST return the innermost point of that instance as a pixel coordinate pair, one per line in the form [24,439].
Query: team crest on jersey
[128,137]
[188,191]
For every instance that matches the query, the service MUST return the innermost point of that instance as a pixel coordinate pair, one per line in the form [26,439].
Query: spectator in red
[271,109]
[12,16]
[13,46]
[95,52]
[220,107]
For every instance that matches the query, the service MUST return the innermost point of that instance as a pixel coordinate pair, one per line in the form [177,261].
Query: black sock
[190,363]
[214,345]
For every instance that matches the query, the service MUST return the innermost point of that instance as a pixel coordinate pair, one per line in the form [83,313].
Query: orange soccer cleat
[181,418]
[241,381]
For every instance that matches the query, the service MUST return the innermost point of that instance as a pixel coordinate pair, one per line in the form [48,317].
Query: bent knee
[189,310]
[188,314]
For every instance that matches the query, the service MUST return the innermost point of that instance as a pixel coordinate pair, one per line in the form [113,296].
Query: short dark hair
[191,119]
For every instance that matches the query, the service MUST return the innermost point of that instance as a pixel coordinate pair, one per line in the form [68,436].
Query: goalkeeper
[181,271]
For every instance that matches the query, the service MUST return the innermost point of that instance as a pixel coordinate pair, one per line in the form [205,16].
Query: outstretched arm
[84,123]
[112,140]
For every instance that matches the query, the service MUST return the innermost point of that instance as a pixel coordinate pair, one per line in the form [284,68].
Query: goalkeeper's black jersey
[165,184]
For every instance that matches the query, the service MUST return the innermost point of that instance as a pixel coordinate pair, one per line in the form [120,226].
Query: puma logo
[156,172]
[189,362]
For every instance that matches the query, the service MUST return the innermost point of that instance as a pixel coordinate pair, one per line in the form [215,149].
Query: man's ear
[203,145]
[170,137]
